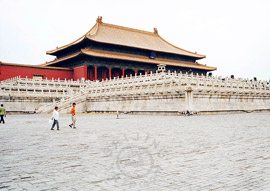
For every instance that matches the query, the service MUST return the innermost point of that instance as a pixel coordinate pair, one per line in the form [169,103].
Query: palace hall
[107,51]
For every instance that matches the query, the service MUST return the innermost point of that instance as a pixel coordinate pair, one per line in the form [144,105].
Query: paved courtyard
[136,152]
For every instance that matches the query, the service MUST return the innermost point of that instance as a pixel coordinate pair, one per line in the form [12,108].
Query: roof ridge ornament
[155,31]
[99,19]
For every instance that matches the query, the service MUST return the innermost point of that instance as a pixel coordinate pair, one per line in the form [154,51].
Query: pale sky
[233,34]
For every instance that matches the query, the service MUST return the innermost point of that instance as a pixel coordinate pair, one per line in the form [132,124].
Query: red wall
[13,71]
[80,72]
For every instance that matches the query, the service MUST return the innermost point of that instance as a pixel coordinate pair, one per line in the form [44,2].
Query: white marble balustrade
[154,83]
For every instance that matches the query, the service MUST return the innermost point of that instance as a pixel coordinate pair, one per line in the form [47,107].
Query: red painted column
[123,72]
[95,73]
[147,72]
[85,72]
[110,72]
[135,72]
[90,74]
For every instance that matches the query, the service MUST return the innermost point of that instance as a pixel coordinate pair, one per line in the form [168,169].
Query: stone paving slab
[136,152]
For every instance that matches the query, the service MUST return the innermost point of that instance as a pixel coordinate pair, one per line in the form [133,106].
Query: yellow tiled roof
[131,57]
[118,35]
[42,66]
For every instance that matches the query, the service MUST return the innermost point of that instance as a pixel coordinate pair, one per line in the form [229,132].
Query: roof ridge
[96,32]
[128,28]
[202,56]
[72,43]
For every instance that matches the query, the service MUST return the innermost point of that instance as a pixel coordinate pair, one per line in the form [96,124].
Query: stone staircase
[64,103]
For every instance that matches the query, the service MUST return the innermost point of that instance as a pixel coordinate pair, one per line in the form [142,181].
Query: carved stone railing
[172,84]
[138,86]
[24,87]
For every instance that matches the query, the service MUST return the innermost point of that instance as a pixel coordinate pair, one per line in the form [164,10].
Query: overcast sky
[233,34]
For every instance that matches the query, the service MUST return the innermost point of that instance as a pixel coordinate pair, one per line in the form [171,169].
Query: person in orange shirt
[73,117]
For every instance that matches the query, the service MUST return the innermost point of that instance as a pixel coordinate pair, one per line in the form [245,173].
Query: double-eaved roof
[123,36]
[118,35]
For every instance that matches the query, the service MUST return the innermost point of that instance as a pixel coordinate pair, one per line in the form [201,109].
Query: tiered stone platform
[155,92]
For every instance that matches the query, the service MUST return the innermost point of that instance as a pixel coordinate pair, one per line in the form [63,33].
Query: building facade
[108,51]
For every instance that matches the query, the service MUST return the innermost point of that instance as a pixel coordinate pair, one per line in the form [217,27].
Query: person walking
[2,114]
[73,117]
[55,118]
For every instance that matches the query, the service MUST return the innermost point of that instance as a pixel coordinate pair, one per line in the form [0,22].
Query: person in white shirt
[55,118]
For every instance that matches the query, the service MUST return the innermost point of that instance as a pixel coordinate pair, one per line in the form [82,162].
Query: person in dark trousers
[2,114]
[55,118]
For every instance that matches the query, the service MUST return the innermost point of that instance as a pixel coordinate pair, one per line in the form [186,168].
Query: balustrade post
[189,98]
